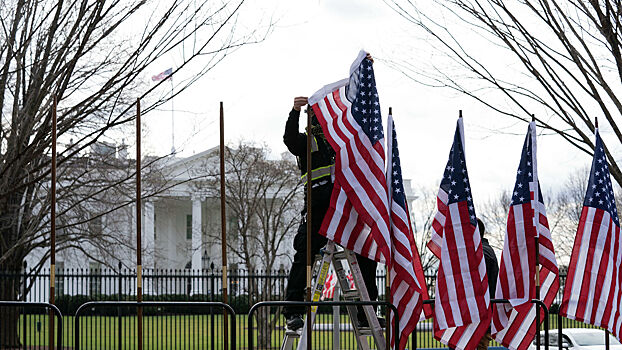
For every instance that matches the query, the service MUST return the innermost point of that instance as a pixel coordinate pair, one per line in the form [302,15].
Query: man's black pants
[297,280]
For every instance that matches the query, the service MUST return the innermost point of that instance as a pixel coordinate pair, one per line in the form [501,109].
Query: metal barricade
[82,310]
[540,303]
[251,312]
[33,305]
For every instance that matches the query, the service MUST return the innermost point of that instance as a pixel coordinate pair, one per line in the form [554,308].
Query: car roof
[576,330]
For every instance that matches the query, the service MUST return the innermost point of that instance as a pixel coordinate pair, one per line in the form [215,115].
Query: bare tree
[93,57]
[565,211]
[494,215]
[423,211]
[263,204]
[566,56]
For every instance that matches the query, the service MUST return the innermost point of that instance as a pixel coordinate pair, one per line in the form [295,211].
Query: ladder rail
[370,311]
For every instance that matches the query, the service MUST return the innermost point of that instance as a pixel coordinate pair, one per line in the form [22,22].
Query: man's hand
[299,102]
[369,57]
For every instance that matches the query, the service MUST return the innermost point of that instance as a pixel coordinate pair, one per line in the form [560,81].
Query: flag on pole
[462,304]
[408,286]
[349,112]
[514,324]
[592,291]
[167,73]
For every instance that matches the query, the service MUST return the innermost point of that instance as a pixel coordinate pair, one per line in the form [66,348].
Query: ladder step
[340,255]
[366,331]
[293,334]
[351,295]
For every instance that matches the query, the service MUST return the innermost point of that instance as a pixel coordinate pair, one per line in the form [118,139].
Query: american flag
[592,292]
[167,73]
[331,281]
[408,287]
[462,304]
[349,112]
[514,324]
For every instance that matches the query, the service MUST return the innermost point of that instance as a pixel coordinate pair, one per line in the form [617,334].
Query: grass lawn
[188,332]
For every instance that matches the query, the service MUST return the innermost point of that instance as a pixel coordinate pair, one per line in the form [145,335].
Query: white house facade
[180,225]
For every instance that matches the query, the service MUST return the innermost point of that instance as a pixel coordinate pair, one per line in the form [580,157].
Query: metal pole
[559,329]
[211,311]
[606,330]
[309,226]
[223,220]
[387,287]
[336,316]
[139,266]
[119,328]
[53,227]
[536,224]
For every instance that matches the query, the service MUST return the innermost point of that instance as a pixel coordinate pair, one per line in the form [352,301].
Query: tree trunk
[9,316]
[265,324]
[264,331]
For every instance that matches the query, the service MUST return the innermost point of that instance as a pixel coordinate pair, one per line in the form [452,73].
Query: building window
[232,224]
[188,226]
[95,227]
[59,283]
[95,279]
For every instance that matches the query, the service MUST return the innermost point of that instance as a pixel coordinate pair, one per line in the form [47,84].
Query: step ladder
[331,254]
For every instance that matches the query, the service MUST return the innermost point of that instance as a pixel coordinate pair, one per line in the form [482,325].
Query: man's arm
[295,141]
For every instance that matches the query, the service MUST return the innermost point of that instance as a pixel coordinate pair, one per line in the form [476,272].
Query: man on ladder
[322,162]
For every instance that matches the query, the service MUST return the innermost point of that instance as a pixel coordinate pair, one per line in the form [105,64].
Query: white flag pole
[536,218]
[387,287]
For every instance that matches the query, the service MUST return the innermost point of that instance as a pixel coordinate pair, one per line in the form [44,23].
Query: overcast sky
[314,44]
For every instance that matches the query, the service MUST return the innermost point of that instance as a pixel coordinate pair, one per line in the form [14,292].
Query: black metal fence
[75,287]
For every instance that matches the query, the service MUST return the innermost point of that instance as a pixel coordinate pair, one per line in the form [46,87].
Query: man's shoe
[362,322]
[294,322]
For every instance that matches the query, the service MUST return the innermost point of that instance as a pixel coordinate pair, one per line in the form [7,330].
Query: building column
[197,287]
[148,237]
[148,241]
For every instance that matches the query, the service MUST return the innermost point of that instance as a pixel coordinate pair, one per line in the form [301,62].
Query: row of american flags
[369,215]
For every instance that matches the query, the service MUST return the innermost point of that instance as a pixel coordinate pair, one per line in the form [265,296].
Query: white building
[179,223]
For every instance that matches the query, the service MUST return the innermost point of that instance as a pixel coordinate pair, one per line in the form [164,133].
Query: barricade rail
[86,307]
[135,304]
[390,308]
[538,302]
[31,305]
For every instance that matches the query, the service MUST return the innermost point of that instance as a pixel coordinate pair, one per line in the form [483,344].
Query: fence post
[211,311]
[336,318]
[25,321]
[119,326]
